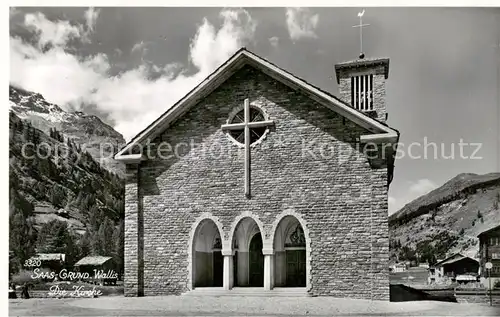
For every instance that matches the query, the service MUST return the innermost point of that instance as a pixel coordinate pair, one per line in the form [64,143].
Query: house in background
[49,261]
[455,268]
[423,265]
[489,251]
[105,265]
[398,267]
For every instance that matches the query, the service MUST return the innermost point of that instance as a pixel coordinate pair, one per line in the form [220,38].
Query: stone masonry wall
[308,164]
[131,234]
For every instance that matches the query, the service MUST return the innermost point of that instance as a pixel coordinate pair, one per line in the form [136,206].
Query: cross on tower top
[360,26]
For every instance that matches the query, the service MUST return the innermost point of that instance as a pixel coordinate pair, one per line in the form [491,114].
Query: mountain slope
[448,219]
[60,175]
[61,198]
[88,131]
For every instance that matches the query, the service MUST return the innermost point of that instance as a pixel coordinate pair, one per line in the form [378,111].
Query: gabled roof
[50,257]
[384,62]
[489,230]
[381,132]
[93,260]
[453,258]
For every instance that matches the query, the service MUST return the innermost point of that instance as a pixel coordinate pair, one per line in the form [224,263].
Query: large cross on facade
[247,125]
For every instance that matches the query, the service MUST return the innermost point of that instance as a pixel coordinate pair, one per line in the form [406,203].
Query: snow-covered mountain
[88,131]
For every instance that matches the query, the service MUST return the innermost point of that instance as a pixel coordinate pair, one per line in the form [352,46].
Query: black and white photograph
[243,160]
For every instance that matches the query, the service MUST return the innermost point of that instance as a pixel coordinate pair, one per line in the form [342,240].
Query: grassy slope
[451,208]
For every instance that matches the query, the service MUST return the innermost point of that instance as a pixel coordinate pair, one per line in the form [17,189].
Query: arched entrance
[248,259]
[207,257]
[289,254]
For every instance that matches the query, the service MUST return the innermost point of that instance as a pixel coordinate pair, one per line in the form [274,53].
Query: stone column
[228,278]
[132,247]
[268,268]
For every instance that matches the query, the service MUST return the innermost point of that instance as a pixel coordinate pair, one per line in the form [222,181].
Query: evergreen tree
[18,203]
[52,237]
[96,248]
[26,134]
[85,244]
[13,179]
[407,254]
[22,233]
[73,250]
[20,125]
[105,237]
[56,237]
[57,196]
[36,137]
[119,244]
[43,166]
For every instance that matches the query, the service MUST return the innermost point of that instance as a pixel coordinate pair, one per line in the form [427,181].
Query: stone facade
[309,165]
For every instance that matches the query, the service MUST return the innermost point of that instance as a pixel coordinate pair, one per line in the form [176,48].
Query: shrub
[24,276]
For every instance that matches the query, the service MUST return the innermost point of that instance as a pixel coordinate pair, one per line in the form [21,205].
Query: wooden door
[256,278]
[296,268]
[235,268]
[218,268]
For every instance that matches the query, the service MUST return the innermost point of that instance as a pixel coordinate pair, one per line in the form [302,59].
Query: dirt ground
[237,306]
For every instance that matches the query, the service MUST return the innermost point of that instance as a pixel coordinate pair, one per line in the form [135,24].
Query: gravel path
[231,306]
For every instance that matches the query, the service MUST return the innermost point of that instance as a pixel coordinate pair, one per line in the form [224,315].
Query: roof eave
[129,158]
[488,231]
[360,63]
[380,138]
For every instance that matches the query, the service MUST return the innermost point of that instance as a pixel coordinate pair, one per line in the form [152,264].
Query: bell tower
[362,81]
[362,85]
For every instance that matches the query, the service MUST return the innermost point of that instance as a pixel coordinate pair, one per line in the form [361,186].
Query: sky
[129,65]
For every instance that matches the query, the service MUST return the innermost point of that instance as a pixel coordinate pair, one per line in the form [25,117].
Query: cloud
[211,47]
[274,41]
[133,98]
[415,190]
[393,205]
[13,11]
[301,23]
[48,32]
[138,47]
[90,18]
[59,33]
[421,187]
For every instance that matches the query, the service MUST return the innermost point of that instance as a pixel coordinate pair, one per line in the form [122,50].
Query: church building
[258,179]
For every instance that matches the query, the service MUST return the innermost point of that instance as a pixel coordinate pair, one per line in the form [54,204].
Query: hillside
[87,131]
[61,198]
[447,219]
